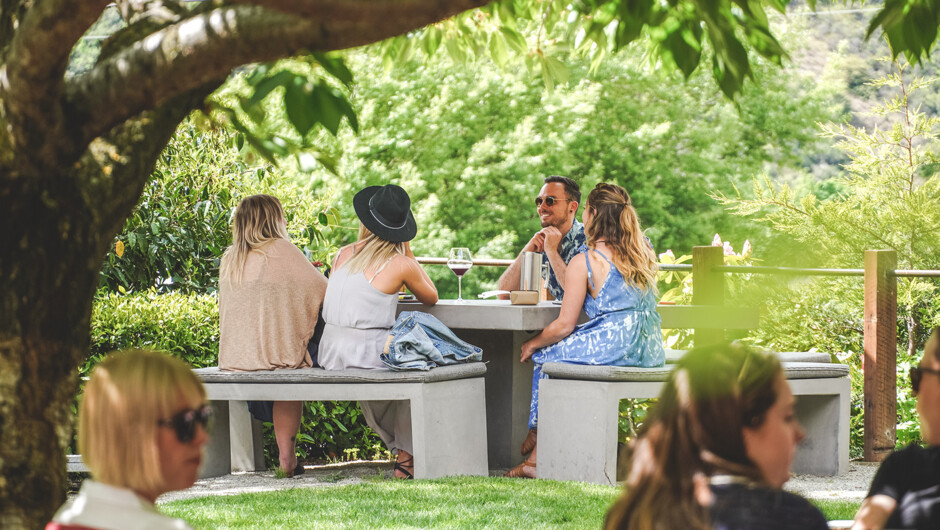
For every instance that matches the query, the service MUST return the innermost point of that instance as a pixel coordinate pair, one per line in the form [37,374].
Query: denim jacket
[420,342]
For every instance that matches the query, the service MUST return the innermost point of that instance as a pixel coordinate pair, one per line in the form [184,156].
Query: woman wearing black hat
[361,299]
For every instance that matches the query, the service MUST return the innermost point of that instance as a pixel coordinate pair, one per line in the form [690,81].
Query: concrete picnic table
[500,329]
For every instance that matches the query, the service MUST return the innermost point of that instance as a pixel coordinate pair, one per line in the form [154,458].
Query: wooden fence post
[881,351]
[708,288]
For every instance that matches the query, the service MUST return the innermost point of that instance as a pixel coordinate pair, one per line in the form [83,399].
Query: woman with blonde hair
[269,301]
[716,450]
[142,423]
[615,284]
[361,301]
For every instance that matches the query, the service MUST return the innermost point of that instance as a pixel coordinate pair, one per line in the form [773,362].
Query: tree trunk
[47,281]
[57,230]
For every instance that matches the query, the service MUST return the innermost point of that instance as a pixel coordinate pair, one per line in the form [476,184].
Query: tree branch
[409,14]
[207,46]
[116,166]
[35,62]
[11,11]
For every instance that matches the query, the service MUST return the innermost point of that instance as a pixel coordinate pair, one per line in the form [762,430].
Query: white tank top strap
[339,255]
[380,269]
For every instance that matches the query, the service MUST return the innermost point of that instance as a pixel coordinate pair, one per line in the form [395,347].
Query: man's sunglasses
[917,373]
[550,201]
[185,422]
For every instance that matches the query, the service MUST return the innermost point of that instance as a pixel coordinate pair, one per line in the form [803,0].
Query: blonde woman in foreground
[905,492]
[717,449]
[269,300]
[142,424]
[362,299]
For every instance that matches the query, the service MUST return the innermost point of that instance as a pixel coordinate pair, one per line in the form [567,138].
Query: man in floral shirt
[559,239]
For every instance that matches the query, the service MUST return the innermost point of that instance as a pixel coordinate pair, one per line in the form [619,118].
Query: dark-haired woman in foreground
[717,450]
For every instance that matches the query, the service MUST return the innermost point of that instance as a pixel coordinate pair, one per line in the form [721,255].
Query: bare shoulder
[578,263]
[342,255]
[404,262]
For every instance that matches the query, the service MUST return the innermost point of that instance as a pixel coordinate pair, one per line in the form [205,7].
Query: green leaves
[514,40]
[553,71]
[300,106]
[910,27]
[307,103]
[310,99]
[331,105]
[335,66]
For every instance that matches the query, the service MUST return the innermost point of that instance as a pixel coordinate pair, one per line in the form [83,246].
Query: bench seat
[579,406]
[447,412]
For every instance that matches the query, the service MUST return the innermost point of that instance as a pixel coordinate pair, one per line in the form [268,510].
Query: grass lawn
[461,502]
[838,510]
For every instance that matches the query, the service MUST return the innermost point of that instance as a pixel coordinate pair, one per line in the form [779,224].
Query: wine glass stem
[459,289]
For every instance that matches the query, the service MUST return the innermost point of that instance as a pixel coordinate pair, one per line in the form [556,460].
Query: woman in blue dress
[614,281]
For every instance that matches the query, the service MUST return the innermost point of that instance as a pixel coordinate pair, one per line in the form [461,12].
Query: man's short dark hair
[572,190]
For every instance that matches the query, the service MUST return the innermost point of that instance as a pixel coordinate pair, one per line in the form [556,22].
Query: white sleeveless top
[358,318]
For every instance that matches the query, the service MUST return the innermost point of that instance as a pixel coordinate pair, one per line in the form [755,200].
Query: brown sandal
[530,440]
[520,470]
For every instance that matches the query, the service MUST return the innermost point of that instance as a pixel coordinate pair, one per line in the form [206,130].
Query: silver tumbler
[530,278]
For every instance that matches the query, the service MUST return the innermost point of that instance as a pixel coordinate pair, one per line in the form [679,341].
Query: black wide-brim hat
[386,212]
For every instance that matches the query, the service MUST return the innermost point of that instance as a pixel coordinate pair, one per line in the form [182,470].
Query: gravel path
[850,486]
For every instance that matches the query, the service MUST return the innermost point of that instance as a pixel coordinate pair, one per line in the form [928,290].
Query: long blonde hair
[259,219]
[615,222]
[372,251]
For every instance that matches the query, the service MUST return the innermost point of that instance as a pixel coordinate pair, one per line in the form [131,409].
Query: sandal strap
[398,467]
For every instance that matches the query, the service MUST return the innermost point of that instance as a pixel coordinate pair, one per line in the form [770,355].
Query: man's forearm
[559,267]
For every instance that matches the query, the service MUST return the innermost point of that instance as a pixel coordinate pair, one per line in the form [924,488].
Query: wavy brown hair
[615,222]
[259,219]
[696,430]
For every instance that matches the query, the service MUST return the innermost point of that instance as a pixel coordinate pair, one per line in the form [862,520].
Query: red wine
[459,270]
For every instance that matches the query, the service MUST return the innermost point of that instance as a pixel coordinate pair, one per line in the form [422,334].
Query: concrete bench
[579,406]
[448,412]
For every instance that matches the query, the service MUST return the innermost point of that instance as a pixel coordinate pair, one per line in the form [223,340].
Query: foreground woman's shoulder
[740,507]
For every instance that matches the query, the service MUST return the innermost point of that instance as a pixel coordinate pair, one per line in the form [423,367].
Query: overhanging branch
[35,62]
[40,47]
[376,13]
[207,46]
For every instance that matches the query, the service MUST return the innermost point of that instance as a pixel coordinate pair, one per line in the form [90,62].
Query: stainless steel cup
[530,279]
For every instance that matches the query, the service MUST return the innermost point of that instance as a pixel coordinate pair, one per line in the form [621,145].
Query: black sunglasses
[550,201]
[917,373]
[185,422]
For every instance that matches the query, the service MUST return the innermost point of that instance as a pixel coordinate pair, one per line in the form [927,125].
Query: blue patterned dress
[623,330]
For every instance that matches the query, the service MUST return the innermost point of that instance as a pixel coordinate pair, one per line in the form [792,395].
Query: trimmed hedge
[187,326]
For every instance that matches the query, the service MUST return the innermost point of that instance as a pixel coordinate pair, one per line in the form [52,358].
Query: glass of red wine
[460,262]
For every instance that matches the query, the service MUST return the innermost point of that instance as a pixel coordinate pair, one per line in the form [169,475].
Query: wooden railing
[880,324]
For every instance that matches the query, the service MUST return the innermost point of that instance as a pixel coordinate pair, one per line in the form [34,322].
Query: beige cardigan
[267,320]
